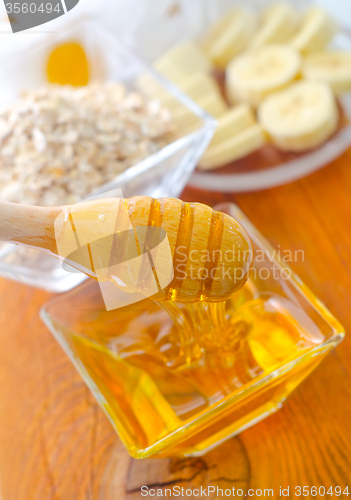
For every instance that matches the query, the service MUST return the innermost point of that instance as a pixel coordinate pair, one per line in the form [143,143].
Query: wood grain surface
[56,444]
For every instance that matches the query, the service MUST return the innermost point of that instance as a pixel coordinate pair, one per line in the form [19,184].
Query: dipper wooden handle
[194,252]
[29,225]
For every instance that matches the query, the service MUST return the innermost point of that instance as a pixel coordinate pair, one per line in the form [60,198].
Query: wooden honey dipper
[190,251]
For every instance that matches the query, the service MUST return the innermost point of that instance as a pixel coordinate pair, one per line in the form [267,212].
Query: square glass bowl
[162,174]
[161,410]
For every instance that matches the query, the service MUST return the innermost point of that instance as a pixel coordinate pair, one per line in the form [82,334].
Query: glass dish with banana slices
[275,75]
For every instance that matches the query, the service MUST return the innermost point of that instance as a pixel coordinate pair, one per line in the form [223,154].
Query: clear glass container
[160,408]
[162,174]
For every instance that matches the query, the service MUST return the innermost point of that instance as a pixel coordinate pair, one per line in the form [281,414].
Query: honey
[162,366]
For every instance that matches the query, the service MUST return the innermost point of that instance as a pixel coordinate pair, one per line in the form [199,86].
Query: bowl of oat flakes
[61,144]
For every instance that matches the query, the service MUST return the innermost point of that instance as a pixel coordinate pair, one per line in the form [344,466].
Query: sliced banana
[279,22]
[316,31]
[182,61]
[195,86]
[229,36]
[213,104]
[238,146]
[300,117]
[186,65]
[218,28]
[232,122]
[333,68]
[252,76]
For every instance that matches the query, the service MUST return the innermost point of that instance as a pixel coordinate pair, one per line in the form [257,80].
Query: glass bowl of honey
[244,355]
[91,53]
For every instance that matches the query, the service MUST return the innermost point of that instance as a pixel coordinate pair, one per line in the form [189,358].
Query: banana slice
[195,86]
[231,123]
[333,68]
[186,65]
[278,24]
[182,61]
[234,148]
[213,103]
[198,85]
[300,117]
[316,31]
[229,36]
[252,76]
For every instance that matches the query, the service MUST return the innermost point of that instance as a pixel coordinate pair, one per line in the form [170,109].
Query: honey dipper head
[212,253]
[165,249]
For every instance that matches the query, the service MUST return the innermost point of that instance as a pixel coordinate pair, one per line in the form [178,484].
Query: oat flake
[58,144]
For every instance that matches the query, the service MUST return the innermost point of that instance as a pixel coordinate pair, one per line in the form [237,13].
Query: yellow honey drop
[68,65]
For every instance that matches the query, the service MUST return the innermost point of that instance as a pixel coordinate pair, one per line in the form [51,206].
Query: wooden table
[56,444]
